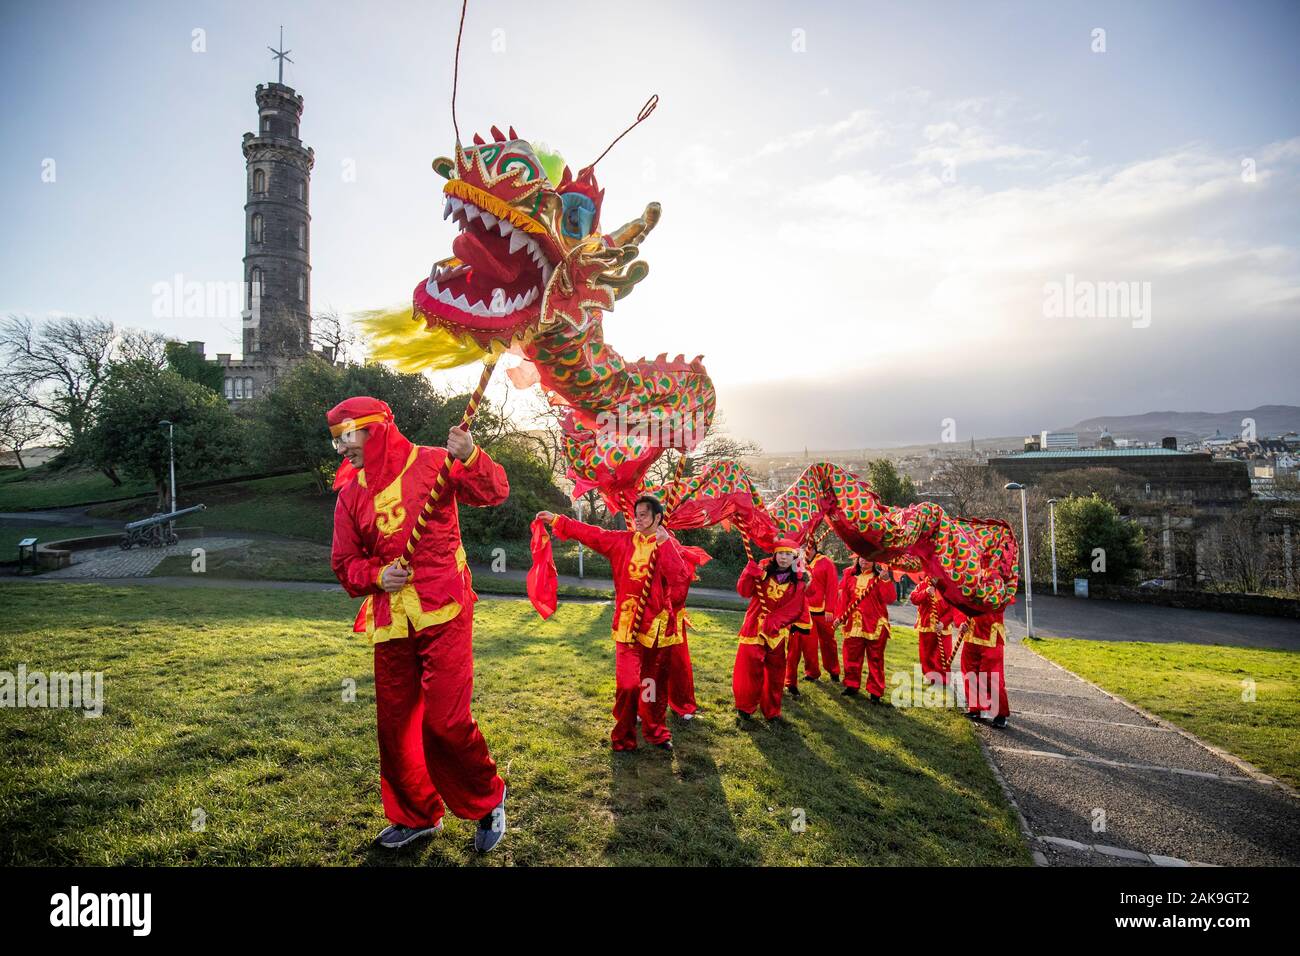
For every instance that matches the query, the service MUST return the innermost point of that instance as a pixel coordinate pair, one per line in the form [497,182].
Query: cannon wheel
[125,543]
[173,538]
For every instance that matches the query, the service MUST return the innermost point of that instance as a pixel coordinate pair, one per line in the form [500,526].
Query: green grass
[37,488]
[1203,689]
[285,505]
[230,702]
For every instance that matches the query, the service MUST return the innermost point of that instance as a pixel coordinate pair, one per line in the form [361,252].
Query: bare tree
[59,367]
[331,331]
[1240,554]
[21,423]
[141,345]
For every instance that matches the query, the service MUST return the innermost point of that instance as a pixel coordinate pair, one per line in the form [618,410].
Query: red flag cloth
[696,557]
[543,586]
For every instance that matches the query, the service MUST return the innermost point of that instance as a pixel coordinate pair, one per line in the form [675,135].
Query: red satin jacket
[933,613]
[823,591]
[628,553]
[371,527]
[986,630]
[870,615]
[787,606]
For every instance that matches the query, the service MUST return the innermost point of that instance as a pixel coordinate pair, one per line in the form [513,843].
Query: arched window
[239,389]
[254,286]
[302,190]
[266,124]
[302,288]
[230,388]
[257,227]
[302,235]
[259,180]
[248,388]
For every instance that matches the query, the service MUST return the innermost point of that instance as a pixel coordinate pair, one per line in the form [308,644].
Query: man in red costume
[777,613]
[432,755]
[644,632]
[823,593]
[866,591]
[934,623]
[981,667]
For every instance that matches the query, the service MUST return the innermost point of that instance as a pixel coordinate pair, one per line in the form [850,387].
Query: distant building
[1051,441]
[1193,478]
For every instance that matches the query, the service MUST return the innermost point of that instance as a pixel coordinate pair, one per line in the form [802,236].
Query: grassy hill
[230,703]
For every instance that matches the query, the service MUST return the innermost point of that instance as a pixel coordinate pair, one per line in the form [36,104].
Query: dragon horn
[636,230]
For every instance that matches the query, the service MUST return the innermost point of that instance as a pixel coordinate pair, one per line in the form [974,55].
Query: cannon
[153,531]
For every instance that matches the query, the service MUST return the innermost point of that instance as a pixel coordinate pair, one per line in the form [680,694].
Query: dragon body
[531,273]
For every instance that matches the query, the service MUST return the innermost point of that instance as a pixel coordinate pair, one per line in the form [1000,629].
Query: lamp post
[1051,522]
[171,455]
[1024,546]
[578,506]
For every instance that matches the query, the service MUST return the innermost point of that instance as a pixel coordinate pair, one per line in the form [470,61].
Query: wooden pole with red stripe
[444,472]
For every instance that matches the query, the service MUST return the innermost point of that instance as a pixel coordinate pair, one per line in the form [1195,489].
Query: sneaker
[395,836]
[1000,721]
[690,716]
[973,715]
[875,698]
[492,827]
[792,690]
[666,745]
[812,680]
[850,692]
[835,678]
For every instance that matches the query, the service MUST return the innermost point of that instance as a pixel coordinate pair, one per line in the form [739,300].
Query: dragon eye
[579,215]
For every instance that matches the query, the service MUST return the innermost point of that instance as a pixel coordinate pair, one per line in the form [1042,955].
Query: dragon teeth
[517,241]
[447,209]
[504,227]
[489,220]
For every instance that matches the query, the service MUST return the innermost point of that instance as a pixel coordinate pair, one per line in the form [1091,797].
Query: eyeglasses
[345,439]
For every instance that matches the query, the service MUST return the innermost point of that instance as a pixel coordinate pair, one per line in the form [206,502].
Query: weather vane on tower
[281,55]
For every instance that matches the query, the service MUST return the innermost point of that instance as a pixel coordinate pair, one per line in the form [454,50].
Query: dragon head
[530,254]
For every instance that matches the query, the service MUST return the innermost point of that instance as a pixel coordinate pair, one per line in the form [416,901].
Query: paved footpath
[1100,783]
[113,562]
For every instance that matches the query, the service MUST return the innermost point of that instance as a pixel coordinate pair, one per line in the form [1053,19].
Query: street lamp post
[1024,546]
[1051,522]
[171,455]
[577,511]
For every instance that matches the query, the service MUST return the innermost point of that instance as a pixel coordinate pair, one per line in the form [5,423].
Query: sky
[883,223]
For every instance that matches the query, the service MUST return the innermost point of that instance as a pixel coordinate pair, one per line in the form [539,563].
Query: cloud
[870,281]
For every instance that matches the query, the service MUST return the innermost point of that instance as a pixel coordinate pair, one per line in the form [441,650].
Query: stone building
[277,248]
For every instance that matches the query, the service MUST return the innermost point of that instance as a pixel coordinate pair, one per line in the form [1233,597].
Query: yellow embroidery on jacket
[638,566]
[390,514]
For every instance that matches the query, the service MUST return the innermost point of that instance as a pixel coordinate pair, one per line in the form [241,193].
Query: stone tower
[277,230]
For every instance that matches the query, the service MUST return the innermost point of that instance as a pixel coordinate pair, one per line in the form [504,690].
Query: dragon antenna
[455,74]
[641,117]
